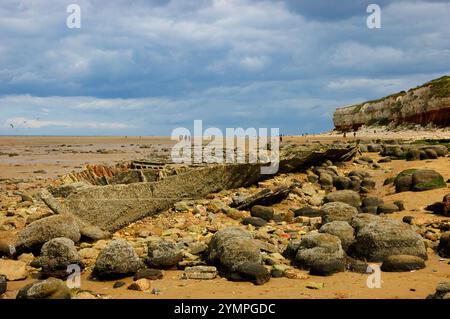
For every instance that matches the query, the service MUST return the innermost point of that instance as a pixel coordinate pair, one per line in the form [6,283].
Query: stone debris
[200,272]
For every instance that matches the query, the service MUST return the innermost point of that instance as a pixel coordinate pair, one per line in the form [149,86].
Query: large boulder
[163,254]
[337,211]
[56,255]
[345,196]
[378,238]
[231,247]
[398,263]
[36,234]
[117,259]
[342,230]
[444,245]
[51,288]
[418,180]
[321,254]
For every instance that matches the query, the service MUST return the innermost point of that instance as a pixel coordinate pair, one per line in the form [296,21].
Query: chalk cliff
[426,104]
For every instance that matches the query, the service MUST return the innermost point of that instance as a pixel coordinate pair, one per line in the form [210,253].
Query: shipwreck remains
[105,200]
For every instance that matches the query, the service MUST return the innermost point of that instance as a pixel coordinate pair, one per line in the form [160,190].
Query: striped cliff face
[426,104]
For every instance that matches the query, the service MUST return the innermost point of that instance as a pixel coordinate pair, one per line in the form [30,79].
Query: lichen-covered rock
[321,254]
[231,247]
[337,211]
[56,255]
[36,234]
[342,230]
[163,254]
[378,238]
[117,259]
[263,212]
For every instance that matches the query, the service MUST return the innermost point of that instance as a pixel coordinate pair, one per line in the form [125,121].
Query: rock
[13,269]
[341,182]
[295,274]
[6,250]
[56,255]
[88,256]
[387,208]
[431,154]
[444,245]
[283,216]
[311,177]
[337,211]
[255,221]
[32,237]
[378,238]
[200,272]
[446,205]
[85,295]
[442,290]
[345,196]
[50,288]
[397,263]
[308,212]
[368,183]
[357,266]
[400,205]
[385,160]
[413,155]
[148,273]
[3,285]
[196,248]
[355,183]
[321,253]
[140,285]
[118,284]
[308,189]
[117,259]
[315,285]
[342,230]
[408,219]
[326,180]
[370,204]
[231,247]
[263,212]
[276,273]
[253,272]
[418,180]
[163,254]
[292,248]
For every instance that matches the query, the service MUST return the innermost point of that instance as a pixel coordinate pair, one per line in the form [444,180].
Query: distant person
[354,134]
[345,135]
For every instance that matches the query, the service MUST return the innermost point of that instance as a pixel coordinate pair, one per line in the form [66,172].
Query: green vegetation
[389,181]
[438,182]
[439,88]
[445,142]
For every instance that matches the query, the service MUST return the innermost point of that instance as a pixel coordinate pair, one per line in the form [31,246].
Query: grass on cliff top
[439,87]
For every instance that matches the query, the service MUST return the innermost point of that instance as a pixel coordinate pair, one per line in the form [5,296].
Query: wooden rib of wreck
[112,207]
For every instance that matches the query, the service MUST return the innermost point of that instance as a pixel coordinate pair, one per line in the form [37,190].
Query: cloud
[157,64]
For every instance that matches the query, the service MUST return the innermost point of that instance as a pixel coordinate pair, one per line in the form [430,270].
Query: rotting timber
[154,187]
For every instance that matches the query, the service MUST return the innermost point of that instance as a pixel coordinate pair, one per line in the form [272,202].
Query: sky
[149,67]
